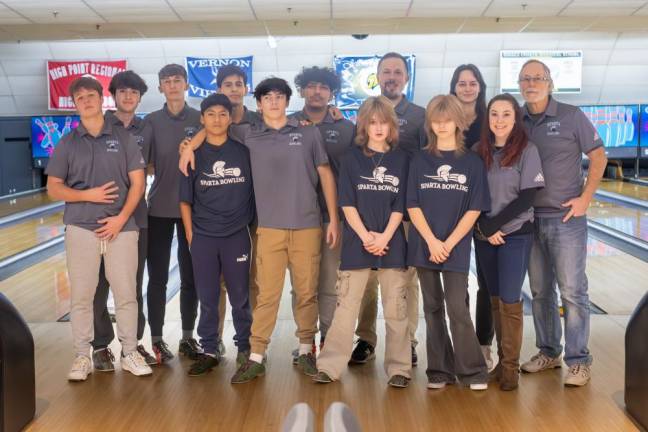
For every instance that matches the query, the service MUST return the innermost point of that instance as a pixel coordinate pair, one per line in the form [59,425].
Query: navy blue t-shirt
[444,188]
[220,189]
[375,186]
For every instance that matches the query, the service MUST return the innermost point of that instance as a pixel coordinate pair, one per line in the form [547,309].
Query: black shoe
[190,348]
[148,358]
[414,356]
[161,352]
[362,353]
[203,365]
[103,360]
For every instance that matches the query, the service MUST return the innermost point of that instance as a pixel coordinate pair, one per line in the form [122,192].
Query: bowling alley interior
[597,52]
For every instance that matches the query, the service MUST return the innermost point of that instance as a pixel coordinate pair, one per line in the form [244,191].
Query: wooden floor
[26,202]
[628,220]
[31,232]
[625,188]
[172,401]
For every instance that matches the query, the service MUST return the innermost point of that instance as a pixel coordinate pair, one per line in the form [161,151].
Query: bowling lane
[631,190]
[628,220]
[27,202]
[29,233]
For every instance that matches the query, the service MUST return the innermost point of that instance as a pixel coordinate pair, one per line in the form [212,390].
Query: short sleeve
[412,198]
[531,175]
[58,164]
[586,135]
[398,205]
[134,158]
[479,197]
[346,193]
[186,186]
[320,157]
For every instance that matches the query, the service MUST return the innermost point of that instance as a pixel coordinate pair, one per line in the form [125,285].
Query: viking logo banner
[61,73]
[360,80]
[201,73]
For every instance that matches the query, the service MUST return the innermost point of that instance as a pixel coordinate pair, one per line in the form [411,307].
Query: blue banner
[360,80]
[201,73]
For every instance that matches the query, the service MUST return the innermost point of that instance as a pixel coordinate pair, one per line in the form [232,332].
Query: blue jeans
[503,267]
[558,256]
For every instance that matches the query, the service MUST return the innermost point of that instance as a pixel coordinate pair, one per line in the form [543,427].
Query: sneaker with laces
[242,357]
[398,381]
[578,375]
[162,352]
[307,364]
[134,363]
[488,356]
[148,358]
[248,371]
[204,364]
[190,348]
[362,353]
[295,353]
[81,368]
[103,360]
[436,383]
[322,378]
[540,362]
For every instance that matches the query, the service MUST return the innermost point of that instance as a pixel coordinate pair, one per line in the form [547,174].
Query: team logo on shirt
[190,131]
[380,181]
[446,180]
[539,178]
[222,175]
[295,138]
[553,128]
[332,136]
[242,258]
[139,139]
[112,145]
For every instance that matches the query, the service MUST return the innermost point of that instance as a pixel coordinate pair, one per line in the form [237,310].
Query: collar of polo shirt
[551,111]
[180,116]
[105,130]
[402,105]
[292,122]
[328,118]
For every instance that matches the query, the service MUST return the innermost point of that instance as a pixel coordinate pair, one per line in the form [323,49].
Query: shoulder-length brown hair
[383,109]
[442,108]
[516,141]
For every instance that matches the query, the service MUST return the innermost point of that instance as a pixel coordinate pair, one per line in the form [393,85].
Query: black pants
[158,257]
[483,316]
[103,328]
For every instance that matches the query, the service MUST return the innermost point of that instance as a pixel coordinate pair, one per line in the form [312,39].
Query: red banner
[61,73]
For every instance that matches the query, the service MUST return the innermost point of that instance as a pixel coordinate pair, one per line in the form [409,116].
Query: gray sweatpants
[463,357]
[83,253]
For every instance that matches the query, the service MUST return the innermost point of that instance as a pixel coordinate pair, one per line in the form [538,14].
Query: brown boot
[511,321]
[496,373]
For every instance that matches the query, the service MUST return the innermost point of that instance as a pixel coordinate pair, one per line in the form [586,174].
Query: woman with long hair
[468,85]
[445,195]
[371,193]
[505,234]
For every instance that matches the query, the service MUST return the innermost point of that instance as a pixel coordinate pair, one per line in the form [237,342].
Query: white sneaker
[479,386]
[486,351]
[436,384]
[540,362]
[578,375]
[81,368]
[134,363]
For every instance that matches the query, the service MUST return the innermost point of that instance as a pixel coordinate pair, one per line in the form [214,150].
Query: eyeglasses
[534,80]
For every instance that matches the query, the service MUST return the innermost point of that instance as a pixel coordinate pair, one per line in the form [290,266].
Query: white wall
[615,65]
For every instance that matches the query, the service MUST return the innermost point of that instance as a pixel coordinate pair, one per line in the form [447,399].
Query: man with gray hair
[562,133]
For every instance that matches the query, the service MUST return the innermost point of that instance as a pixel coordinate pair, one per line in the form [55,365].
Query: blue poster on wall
[360,80]
[201,73]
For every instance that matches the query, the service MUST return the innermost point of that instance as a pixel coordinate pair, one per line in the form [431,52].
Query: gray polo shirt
[505,184]
[284,172]
[338,138]
[411,134]
[168,132]
[250,117]
[142,133]
[83,162]
[561,134]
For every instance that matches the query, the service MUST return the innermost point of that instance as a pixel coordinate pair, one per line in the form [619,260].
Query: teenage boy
[127,88]
[217,207]
[97,169]
[288,161]
[393,76]
[170,125]
[318,86]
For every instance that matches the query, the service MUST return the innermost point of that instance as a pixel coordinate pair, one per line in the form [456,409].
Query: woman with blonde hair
[447,190]
[371,192]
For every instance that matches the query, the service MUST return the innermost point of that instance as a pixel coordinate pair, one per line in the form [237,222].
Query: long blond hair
[445,107]
[383,109]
